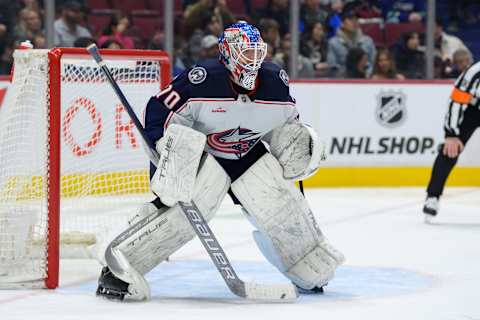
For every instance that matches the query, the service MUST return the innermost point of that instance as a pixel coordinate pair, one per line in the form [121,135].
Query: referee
[461,120]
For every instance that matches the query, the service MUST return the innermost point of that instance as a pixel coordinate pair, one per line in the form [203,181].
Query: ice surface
[397,267]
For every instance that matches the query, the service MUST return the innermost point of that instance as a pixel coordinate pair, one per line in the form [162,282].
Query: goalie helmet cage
[59,107]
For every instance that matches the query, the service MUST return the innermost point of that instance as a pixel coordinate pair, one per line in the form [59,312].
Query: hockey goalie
[226,126]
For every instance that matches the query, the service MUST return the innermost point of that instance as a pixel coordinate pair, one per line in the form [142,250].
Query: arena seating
[393,31]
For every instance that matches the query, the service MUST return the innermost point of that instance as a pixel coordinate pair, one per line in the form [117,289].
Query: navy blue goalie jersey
[234,120]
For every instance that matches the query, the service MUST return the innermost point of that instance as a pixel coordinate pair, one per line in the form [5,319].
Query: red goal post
[61,154]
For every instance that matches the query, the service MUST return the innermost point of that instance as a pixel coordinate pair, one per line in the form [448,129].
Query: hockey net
[71,161]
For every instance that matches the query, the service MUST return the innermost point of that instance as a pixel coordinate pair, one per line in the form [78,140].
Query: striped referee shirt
[465,92]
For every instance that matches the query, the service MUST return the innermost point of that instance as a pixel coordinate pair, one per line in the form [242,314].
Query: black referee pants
[443,165]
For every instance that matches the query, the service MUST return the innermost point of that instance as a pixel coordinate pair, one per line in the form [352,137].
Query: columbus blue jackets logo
[391,111]
[235,141]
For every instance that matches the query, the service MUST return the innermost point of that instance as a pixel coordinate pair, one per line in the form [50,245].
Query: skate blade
[428,219]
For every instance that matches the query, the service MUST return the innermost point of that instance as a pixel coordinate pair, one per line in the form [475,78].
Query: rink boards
[381,133]
[377,134]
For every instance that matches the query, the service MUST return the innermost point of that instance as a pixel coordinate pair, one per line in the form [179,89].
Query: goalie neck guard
[242,51]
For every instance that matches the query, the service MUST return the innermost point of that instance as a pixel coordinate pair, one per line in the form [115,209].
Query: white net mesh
[104,171]
[23,158]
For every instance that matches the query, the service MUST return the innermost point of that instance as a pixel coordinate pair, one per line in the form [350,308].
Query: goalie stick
[239,287]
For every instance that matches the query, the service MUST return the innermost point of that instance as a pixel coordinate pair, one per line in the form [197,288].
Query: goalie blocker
[287,233]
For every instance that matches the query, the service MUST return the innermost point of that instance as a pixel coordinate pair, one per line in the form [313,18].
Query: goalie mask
[242,51]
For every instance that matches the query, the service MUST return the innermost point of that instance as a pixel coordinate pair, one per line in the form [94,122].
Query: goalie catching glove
[180,150]
[298,150]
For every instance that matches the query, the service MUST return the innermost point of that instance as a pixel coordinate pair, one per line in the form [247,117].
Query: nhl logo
[391,111]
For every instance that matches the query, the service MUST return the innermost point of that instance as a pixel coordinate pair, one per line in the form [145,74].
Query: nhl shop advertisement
[379,124]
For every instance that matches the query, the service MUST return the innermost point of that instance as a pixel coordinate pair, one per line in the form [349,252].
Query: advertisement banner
[379,124]
[96,126]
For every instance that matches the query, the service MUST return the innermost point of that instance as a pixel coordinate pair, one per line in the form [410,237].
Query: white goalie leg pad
[138,287]
[154,238]
[180,151]
[103,240]
[288,234]
[298,150]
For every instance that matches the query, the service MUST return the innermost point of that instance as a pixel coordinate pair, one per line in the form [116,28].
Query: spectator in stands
[111,44]
[460,11]
[6,59]
[367,9]
[270,31]
[60,3]
[311,12]
[198,15]
[281,58]
[384,67]
[215,26]
[461,61]
[67,28]
[334,19]
[9,10]
[116,30]
[29,25]
[314,47]
[158,41]
[194,46]
[440,67]
[39,42]
[4,37]
[447,44]
[179,59]
[410,60]
[270,53]
[13,7]
[32,5]
[83,42]
[3,29]
[209,47]
[356,64]
[8,14]
[399,11]
[349,36]
[277,10]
